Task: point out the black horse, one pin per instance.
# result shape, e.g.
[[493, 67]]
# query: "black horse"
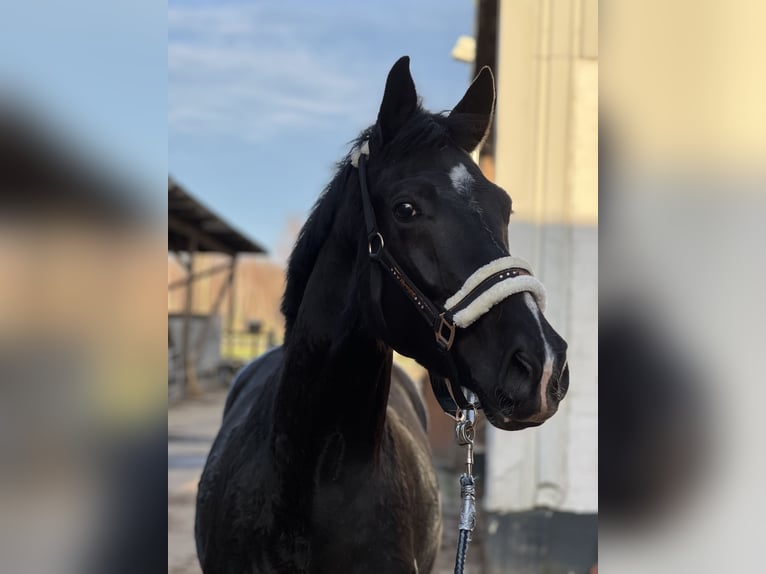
[[322, 463]]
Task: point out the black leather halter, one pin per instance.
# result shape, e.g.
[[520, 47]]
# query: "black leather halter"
[[446, 389]]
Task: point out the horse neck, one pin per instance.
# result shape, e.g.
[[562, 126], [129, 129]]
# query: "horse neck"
[[336, 374]]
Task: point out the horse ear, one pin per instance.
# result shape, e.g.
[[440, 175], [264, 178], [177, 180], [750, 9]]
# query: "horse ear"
[[400, 100], [471, 118]]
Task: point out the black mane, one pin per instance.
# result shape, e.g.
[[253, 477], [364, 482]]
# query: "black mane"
[[310, 240], [423, 131]]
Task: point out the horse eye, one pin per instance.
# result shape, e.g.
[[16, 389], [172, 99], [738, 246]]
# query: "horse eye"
[[405, 211]]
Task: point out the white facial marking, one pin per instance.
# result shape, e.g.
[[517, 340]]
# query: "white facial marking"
[[548, 365], [461, 179]]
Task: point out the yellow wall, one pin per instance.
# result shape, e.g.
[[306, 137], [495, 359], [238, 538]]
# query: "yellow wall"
[[547, 109]]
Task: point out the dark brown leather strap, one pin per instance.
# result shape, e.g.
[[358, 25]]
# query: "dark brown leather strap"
[[439, 320]]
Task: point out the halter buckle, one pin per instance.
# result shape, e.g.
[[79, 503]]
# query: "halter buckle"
[[445, 333]]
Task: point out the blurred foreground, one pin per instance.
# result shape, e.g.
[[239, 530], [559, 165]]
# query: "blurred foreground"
[[682, 277], [82, 364]]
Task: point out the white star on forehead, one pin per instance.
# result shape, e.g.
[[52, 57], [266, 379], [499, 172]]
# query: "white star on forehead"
[[461, 179]]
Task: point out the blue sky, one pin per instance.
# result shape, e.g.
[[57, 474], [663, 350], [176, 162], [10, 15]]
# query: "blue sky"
[[95, 73], [263, 97]]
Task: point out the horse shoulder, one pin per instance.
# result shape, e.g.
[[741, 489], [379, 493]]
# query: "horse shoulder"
[[233, 487]]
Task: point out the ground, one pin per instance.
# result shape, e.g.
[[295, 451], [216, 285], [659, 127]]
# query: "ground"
[[192, 426]]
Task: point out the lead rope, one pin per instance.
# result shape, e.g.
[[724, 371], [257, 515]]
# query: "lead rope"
[[465, 429]]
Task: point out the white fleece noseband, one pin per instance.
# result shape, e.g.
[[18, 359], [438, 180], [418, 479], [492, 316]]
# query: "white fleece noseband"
[[498, 292], [359, 151]]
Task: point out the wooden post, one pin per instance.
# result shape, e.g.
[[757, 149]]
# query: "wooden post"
[[232, 303], [188, 357], [225, 287]]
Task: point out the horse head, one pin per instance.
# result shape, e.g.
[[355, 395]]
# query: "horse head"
[[446, 226]]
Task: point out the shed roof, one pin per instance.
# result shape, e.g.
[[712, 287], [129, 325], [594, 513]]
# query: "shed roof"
[[190, 222]]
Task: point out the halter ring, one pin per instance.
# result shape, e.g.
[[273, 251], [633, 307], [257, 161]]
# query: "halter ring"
[[380, 244]]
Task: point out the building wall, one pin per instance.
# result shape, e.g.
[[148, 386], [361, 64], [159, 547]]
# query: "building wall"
[[546, 157]]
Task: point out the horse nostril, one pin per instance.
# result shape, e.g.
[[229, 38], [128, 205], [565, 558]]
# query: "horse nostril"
[[559, 382], [553, 384]]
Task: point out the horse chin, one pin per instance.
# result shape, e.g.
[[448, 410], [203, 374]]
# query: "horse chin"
[[502, 422], [494, 414], [508, 422]]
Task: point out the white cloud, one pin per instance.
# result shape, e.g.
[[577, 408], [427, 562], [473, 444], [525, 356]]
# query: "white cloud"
[[249, 71]]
